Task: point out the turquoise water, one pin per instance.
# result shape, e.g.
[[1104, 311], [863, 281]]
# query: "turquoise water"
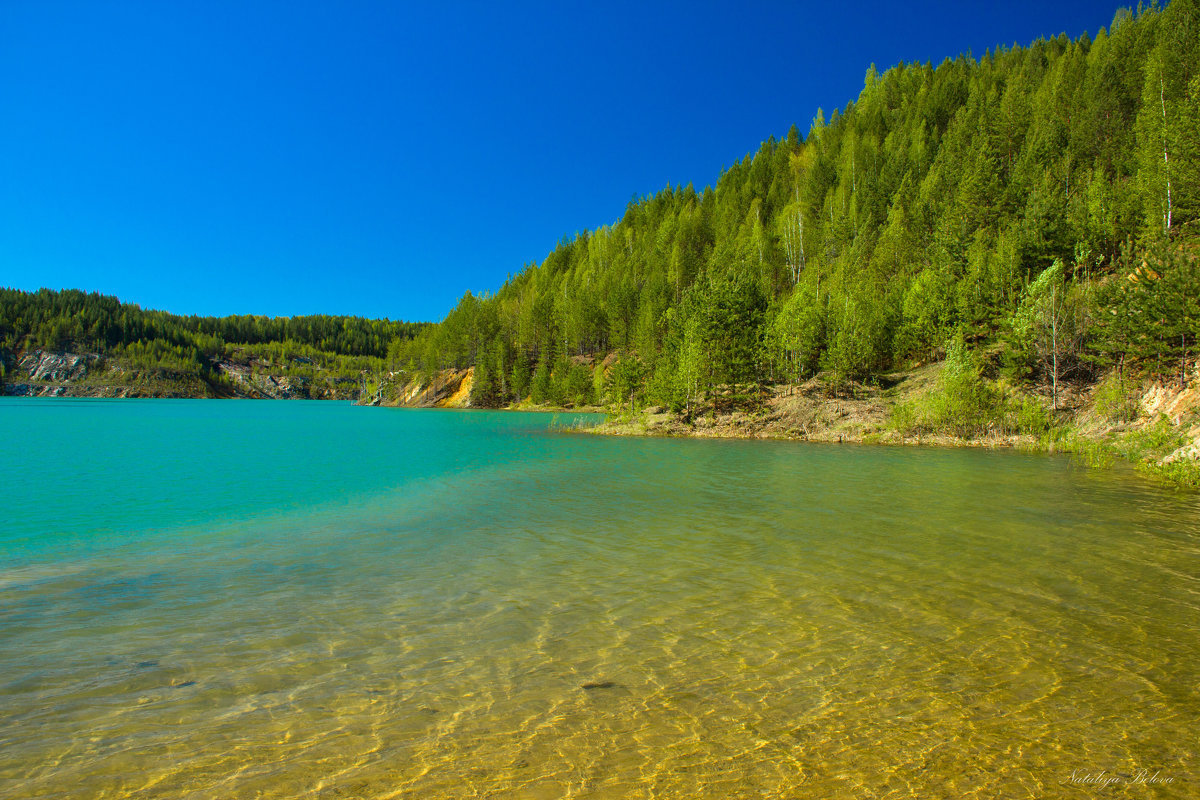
[[280, 599]]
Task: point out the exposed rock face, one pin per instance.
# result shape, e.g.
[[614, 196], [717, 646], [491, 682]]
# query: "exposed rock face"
[[450, 388], [252, 383], [56, 367], [1189, 452], [73, 390], [257, 384], [40, 373], [1177, 403], [446, 390]]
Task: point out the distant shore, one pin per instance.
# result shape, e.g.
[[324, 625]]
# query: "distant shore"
[[45, 373], [1153, 425]]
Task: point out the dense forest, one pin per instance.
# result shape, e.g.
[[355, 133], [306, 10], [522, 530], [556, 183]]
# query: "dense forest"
[[71, 320], [1035, 204], [1037, 209]]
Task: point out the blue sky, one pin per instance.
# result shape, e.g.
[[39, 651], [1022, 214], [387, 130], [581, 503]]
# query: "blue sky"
[[380, 158]]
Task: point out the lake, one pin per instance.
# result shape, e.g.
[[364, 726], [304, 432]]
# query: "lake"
[[274, 599]]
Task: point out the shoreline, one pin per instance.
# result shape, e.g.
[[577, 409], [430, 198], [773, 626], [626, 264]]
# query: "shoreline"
[[1158, 432], [1154, 426]]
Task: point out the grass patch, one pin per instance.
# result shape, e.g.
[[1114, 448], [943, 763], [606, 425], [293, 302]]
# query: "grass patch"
[[966, 405], [1178, 473], [1114, 400], [1144, 448]]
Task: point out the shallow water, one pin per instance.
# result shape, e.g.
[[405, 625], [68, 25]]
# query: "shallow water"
[[279, 599]]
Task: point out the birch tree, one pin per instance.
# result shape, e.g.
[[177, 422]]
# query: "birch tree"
[[792, 234], [1051, 324]]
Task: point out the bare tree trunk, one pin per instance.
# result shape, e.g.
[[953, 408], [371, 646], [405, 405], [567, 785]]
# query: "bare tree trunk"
[[793, 240], [792, 255], [1162, 98], [1183, 361], [1054, 348], [800, 225]]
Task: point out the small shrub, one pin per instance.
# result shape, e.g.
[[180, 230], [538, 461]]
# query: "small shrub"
[[1029, 417], [1114, 401], [964, 405], [1089, 451], [1180, 473], [1154, 441], [967, 404], [904, 418]]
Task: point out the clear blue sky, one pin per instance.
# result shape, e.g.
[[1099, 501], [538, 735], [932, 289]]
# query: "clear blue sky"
[[380, 158]]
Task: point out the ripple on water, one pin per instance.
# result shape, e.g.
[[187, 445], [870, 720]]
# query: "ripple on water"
[[574, 617]]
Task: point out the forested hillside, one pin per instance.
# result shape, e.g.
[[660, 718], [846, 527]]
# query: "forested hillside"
[[156, 345], [1031, 202]]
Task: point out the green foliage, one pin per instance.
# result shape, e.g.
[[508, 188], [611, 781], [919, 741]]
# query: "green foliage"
[[860, 343], [1049, 329], [967, 405], [1113, 399], [796, 335], [1154, 311], [97, 323], [1179, 473], [927, 314], [600, 383], [1091, 452], [1153, 441], [159, 358], [1028, 417], [577, 388], [928, 203], [942, 196], [521, 378], [541, 390], [1168, 122], [298, 360], [159, 345], [727, 315], [490, 384], [1145, 447], [626, 377]]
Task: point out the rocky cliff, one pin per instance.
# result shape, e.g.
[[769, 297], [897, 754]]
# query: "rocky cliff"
[[42, 373], [258, 382], [447, 389]]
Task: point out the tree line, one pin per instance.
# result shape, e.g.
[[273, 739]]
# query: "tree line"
[[1038, 199], [72, 320], [1042, 202]]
